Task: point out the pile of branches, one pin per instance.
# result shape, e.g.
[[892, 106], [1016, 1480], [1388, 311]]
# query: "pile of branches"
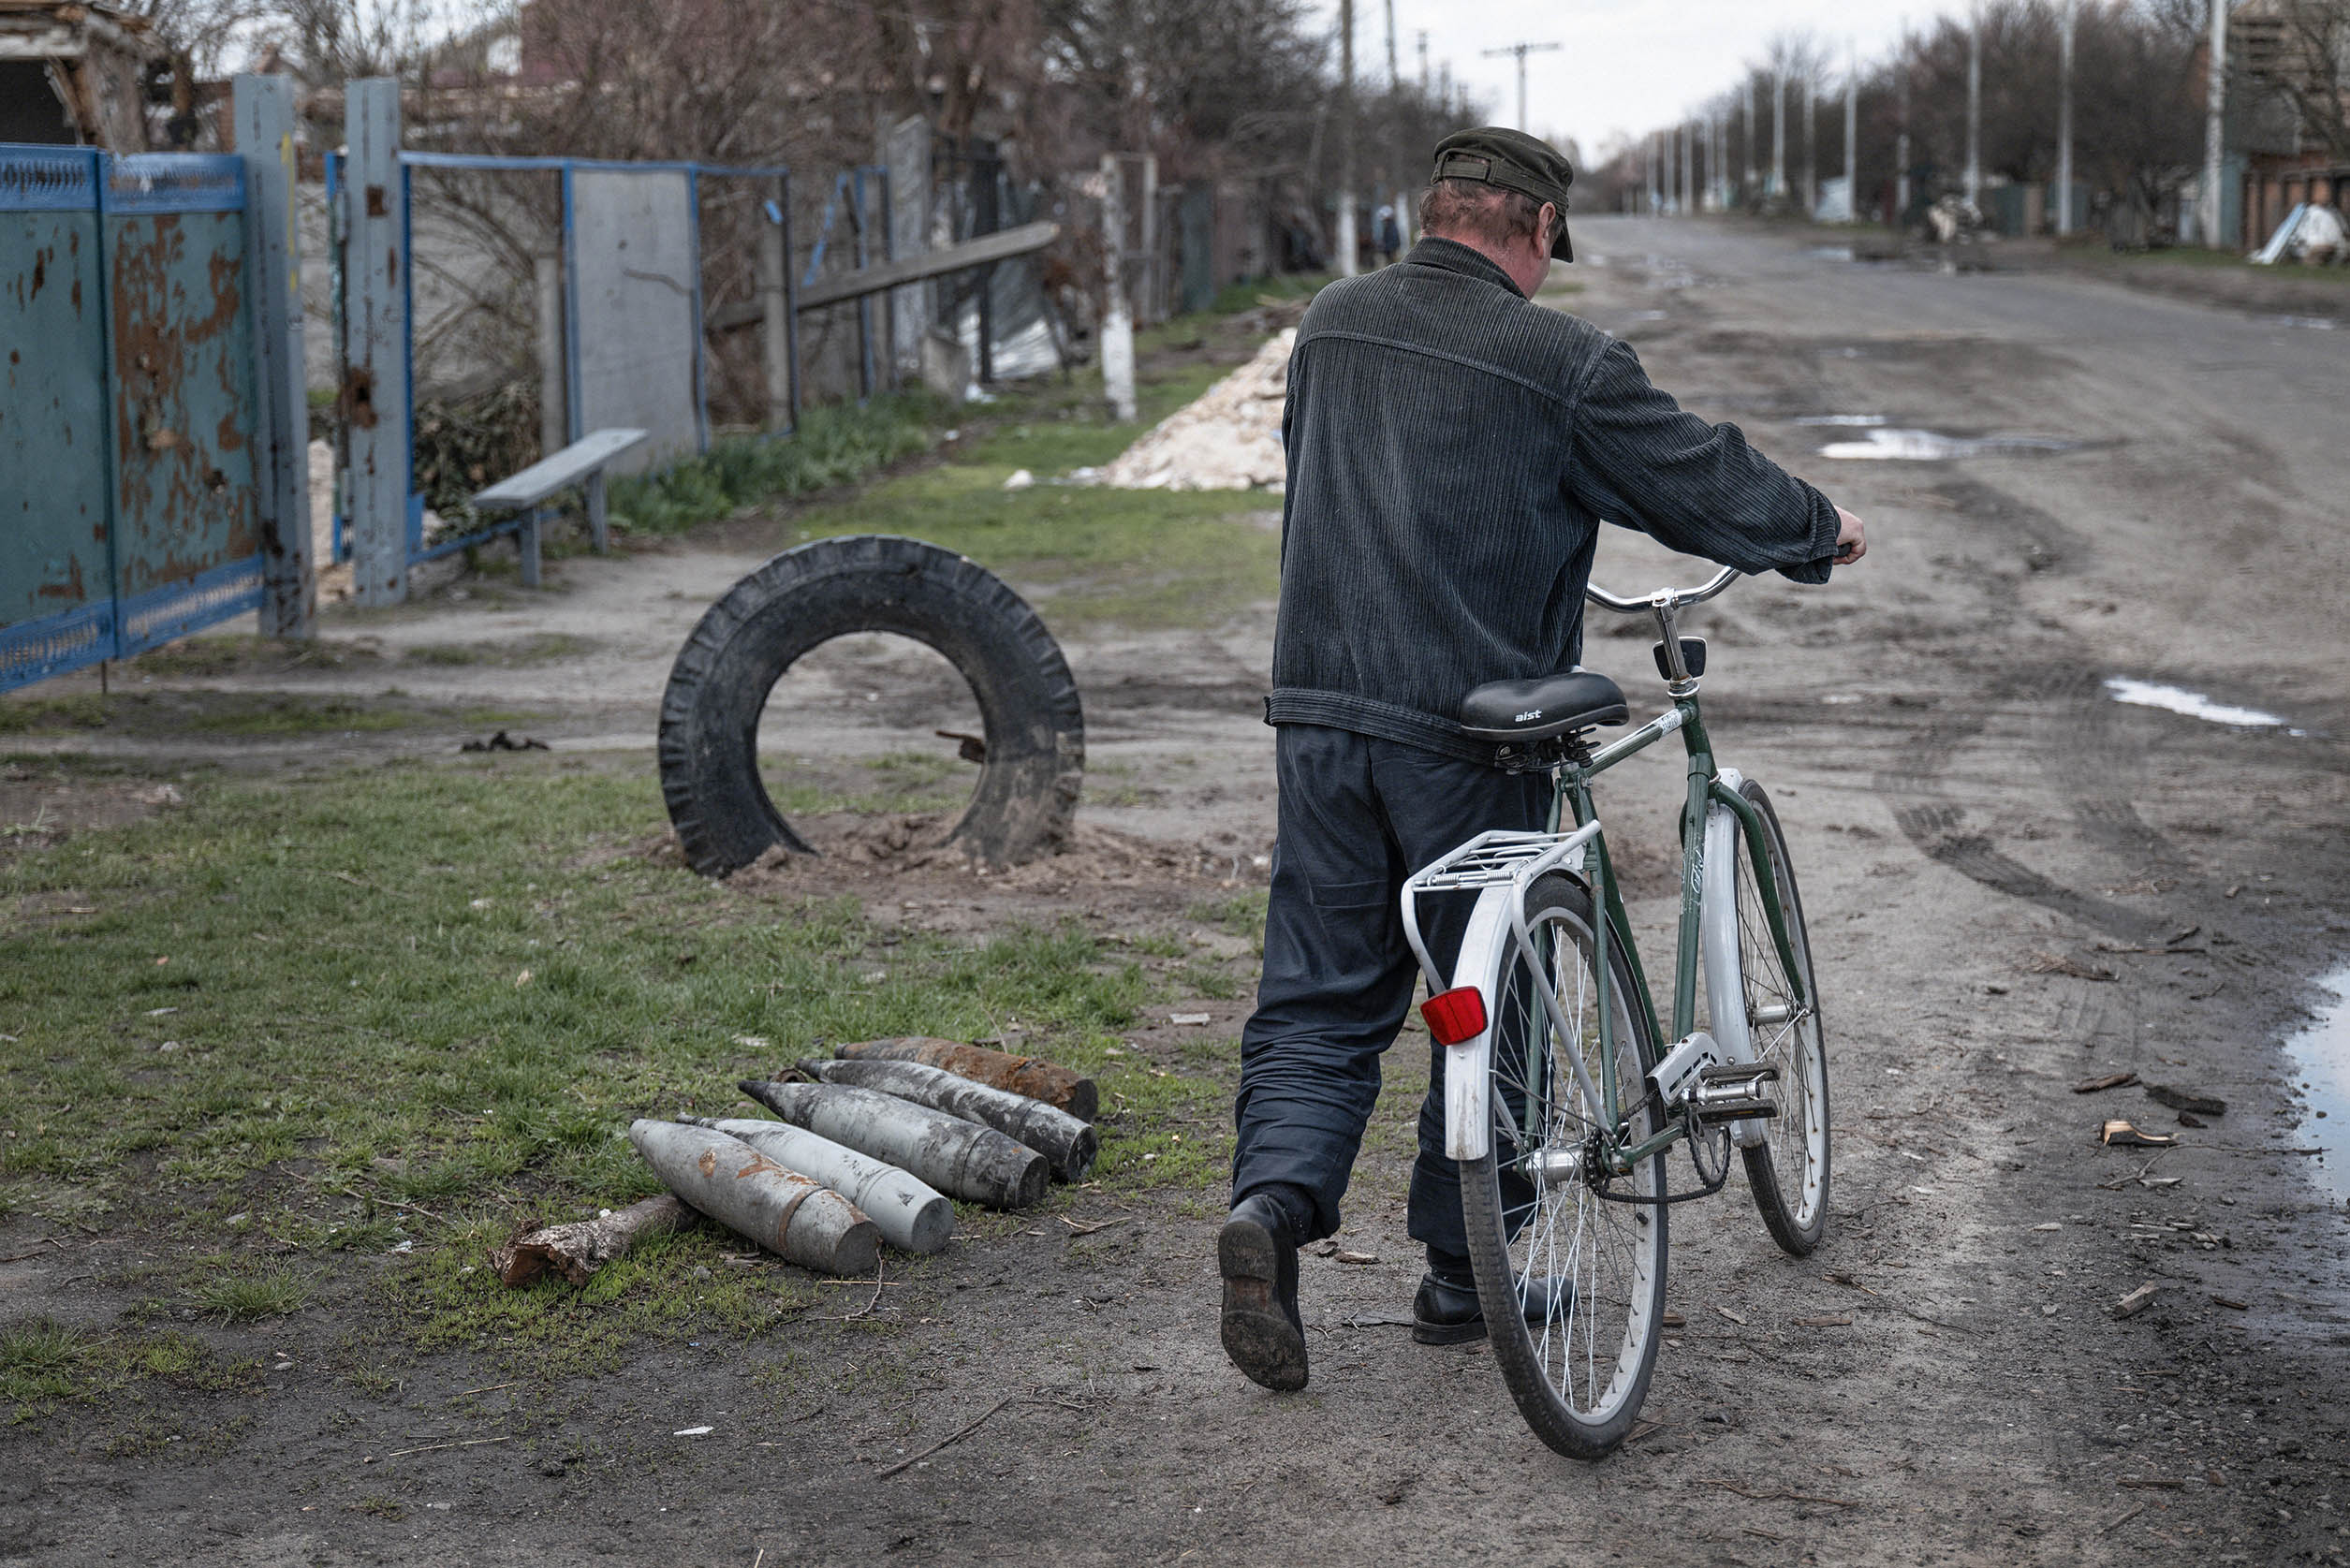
[[467, 441]]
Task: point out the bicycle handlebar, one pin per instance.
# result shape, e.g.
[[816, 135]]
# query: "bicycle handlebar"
[[1662, 597]]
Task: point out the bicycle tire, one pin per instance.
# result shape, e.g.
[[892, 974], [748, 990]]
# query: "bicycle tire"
[[1791, 1193], [1616, 1250]]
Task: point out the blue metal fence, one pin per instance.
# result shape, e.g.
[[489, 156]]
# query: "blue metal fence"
[[129, 510]]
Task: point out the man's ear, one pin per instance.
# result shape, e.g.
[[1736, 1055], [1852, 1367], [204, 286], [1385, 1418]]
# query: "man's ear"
[[1548, 221]]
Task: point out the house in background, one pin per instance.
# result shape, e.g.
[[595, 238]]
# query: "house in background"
[[84, 75]]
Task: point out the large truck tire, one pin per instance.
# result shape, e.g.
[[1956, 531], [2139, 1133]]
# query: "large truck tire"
[[874, 582]]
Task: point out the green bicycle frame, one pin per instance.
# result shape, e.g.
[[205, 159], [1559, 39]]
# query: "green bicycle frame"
[[1614, 925]]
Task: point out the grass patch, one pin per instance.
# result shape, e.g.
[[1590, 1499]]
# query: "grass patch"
[[22, 715], [1242, 914], [42, 1361], [249, 1296], [414, 1004], [1086, 554], [835, 444]]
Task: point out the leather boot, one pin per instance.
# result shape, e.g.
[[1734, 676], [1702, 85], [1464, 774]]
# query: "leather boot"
[[1444, 1313], [1262, 1332]]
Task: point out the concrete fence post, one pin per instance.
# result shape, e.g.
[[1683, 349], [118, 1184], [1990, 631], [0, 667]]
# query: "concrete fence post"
[[373, 399], [263, 107]]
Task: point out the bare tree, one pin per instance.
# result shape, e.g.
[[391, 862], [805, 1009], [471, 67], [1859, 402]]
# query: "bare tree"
[[2298, 50]]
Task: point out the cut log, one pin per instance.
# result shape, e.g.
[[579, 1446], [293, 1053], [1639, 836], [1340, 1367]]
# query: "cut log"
[[1059, 1086], [961, 1158], [577, 1250], [1062, 1138], [787, 1213], [912, 1214]]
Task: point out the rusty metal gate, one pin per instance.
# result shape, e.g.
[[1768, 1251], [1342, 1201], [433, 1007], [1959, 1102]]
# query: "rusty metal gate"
[[130, 505]]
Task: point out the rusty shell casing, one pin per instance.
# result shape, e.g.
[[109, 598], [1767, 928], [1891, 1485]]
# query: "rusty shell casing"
[[958, 1157], [1062, 1138], [1062, 1088], [913, 1215], [784, 1211]]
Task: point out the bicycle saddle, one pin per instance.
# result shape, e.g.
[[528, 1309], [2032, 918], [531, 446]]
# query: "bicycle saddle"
[[1544, 706]]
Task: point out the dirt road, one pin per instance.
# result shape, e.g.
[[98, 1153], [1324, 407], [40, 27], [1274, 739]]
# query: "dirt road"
[[2016, 883]]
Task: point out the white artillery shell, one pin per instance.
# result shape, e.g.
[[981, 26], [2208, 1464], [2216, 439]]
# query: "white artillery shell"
[[743, 1190], [912, 1214], [1062, 1138], [958, 1157]]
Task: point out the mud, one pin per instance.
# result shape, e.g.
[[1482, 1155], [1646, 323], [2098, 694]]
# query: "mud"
[[1963, 798]]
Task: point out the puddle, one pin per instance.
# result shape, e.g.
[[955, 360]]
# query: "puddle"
[[1831, 253], [2194, 705], [2322, 1054], [1645, 315], [2308, 323], [1926, 445], [1854, 421]]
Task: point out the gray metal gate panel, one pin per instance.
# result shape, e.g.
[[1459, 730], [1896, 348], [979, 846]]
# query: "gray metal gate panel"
[[187, 531], [56, 566], [633, 272]]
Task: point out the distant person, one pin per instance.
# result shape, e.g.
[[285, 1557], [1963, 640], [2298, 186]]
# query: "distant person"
[[1390, 235], [1451, 448]]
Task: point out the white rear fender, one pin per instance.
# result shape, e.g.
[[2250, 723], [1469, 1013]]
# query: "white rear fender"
[[1468, 1077]]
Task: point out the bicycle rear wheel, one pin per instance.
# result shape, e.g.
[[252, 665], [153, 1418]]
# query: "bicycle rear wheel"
[[1579, 1360], [1788, 1170]]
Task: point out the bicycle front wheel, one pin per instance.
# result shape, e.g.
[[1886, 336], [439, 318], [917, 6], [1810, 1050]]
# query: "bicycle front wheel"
[[1572, 1283], [1789, 1169]]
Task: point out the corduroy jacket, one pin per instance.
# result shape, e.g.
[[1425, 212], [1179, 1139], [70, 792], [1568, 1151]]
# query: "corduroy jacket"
[[1452, 448]]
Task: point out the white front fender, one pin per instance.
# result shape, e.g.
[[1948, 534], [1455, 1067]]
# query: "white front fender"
[[1725, 986]]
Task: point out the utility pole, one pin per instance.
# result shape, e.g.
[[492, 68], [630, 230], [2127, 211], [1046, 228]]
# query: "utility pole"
[[1900, 139], [1975, 108], [1521, 51], [1778, 133], [2214, 124], [1746, 188], [1852, 132], [1346, 139], [1688, 166], [2064, 124], [1423, 63], [1811, 141]]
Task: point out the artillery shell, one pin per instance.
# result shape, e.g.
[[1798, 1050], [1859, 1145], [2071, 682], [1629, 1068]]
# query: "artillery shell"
[[1062, 1138], [912, 1215], [961, 1158], [1059, 1086], [743, 1190]]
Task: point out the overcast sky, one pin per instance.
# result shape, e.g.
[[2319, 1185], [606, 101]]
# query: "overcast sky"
[[1626, 66]]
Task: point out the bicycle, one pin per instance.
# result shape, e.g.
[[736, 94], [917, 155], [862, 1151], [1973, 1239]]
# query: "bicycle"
[[1561, 1102]]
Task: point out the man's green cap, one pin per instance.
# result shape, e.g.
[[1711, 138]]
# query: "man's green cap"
[[1497, 156]]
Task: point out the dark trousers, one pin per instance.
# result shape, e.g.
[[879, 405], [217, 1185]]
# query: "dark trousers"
[[1357, 816]]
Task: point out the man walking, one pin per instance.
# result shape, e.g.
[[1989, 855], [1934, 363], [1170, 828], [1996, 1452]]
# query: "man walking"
[[1452, 448]]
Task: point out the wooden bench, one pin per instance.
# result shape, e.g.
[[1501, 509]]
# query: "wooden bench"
[[582, 462]]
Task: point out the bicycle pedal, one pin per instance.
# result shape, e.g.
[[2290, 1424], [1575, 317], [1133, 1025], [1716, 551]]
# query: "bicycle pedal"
[[1742, 1108], [1740, 1073]]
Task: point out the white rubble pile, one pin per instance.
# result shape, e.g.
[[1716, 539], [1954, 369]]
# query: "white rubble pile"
[[1229, 439]]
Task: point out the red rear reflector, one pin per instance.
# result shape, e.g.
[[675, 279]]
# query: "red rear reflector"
[[1456, 1015]]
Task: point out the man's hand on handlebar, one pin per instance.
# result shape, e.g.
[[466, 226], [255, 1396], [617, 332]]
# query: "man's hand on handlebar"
[[1852, 538]]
